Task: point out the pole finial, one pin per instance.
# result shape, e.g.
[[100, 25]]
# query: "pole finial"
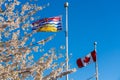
[[66, 4], [95, 43]]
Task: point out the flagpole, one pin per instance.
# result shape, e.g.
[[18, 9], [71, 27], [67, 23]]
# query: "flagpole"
[[67, 58], [96, 63]]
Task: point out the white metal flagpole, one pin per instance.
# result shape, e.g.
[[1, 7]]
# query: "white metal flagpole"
[[96, 63], [67, 58]]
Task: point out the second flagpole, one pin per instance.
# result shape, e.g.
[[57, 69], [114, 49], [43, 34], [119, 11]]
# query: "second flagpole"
[[96, 63], [67, 57]]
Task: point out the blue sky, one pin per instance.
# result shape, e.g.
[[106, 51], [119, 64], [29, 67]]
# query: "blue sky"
[[89, 21]]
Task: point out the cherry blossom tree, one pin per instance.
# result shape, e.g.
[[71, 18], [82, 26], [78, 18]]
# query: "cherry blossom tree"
[[16, 49]]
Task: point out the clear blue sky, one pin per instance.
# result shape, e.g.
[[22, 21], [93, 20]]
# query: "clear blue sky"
[[89, 21]]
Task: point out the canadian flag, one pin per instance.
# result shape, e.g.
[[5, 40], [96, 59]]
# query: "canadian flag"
[[89, 58]]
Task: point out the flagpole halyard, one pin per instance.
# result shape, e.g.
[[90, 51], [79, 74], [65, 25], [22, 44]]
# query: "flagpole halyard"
[[96, 63], [67, 58]]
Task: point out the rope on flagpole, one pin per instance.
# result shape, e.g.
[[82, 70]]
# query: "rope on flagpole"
[[67, 58], [96, 63], [91, 77]]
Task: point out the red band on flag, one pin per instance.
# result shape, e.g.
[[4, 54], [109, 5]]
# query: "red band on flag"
[[93, 54], [79, 63]]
